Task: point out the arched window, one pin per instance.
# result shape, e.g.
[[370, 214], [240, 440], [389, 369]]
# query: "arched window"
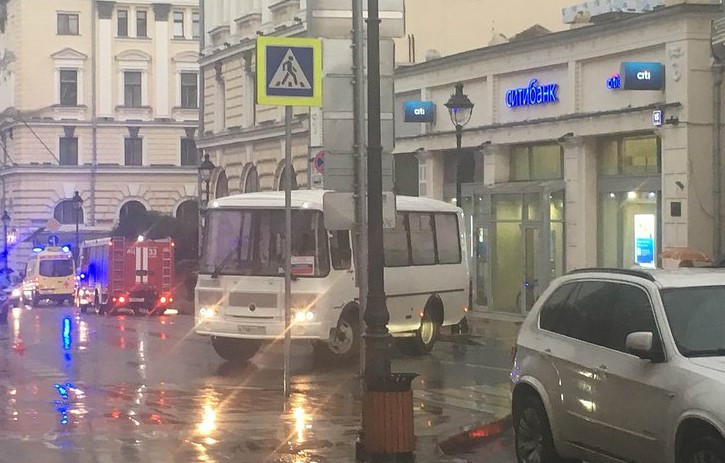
[[188, 213], [131, 208], [281, 180], [222, 185], [65, 213], [251, 181]]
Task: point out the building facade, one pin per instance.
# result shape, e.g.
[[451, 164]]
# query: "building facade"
[[99, 97], [587, 147]]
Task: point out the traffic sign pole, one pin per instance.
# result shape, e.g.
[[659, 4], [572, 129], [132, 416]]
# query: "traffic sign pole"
[[289, 73], [288, 246]]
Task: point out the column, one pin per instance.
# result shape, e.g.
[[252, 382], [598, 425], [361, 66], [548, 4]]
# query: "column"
[[496, 162], [581, 209], [104, 80], [161, 69]]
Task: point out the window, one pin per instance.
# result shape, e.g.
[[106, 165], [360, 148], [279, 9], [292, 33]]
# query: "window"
[[123, 23], [68, 151], [397, 250], [65, 212], [631, 312], [68, 88], [557, 310], [195, 25], [447, 239], [592, 312], [283, 178], [629, 156], [340, 250], [697, 319], [178, 24], [141, 23], [56, 268], [133, 150], [132, 89], [537, 162], [189, 90], [251, 182], [68, 24], [189, 153], [422, 239]]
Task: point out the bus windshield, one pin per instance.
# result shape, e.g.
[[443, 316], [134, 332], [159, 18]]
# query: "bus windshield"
[[56, 267], [251, 242]]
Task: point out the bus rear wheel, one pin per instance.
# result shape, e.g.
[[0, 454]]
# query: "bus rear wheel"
[[234, 349], [423, 339]]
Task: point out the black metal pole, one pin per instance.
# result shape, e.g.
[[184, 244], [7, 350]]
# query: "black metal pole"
[[459, 138], [5, 248], [78, 240], [377, 337]]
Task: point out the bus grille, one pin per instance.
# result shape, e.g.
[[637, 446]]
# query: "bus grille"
[[267, 300]]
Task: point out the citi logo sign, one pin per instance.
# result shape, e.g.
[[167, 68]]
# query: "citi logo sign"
[[644, 75], [420, 111], [614, 82]]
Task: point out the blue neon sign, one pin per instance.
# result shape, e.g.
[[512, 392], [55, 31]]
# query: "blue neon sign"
[[638, 75], [534, 94], [420, 111], [614, 82]]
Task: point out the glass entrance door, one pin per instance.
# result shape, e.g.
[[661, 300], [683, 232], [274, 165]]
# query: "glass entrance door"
[[531, 266]]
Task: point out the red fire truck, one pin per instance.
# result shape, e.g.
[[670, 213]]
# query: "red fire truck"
[[116, 273]]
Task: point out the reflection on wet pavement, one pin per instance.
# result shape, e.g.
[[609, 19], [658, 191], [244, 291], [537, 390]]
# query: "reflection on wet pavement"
[[86, 388]]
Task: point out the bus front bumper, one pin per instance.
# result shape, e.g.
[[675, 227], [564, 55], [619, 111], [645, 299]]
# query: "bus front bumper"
[[265, 331]]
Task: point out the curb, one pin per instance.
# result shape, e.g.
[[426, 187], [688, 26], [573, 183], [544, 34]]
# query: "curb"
[[475, 434]]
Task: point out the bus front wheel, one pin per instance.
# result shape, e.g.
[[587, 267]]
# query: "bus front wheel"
[[235, 350], [345, 343]]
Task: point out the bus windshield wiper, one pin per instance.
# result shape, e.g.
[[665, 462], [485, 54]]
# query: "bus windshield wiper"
[[223, 263]]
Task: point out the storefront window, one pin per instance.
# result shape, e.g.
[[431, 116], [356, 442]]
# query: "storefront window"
[[628, 229], [537, 162], [629, 156]]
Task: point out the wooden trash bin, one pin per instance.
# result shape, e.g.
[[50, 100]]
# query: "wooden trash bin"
[[388, 417]]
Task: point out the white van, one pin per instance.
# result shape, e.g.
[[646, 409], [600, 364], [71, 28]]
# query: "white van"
[[240, 289]]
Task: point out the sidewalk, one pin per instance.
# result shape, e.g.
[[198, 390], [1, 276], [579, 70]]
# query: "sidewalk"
[[325, 417]]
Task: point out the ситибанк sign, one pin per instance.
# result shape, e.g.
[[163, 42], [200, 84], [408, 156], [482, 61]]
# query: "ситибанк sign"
[[636, 75]]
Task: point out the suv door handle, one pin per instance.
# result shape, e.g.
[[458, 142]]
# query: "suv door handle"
[[603, 367], [547, 351]]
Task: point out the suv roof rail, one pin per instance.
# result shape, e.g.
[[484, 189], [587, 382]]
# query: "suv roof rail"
[[619, 271]]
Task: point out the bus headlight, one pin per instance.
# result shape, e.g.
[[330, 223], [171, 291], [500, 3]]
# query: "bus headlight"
[[303, 315], [208, 312]]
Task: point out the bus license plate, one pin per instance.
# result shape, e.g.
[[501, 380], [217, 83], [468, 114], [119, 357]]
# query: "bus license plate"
[[135, 299], [251, 329]]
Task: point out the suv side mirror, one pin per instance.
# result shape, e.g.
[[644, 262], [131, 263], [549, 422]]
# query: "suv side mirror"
[[642, 345]]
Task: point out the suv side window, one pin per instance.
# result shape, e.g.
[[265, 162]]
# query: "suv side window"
[[631, 312], [556, 313], [592, 312]]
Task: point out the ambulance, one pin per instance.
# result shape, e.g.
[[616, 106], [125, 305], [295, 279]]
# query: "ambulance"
[[49, 275]]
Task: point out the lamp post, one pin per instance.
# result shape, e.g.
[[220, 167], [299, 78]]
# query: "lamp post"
[[205, 169], [6, 222], [460, 108], [78, 208]]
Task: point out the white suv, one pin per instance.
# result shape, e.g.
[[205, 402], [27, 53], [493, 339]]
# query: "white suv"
[[623, 365]]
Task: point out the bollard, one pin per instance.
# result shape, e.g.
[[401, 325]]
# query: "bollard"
[[388, 419]]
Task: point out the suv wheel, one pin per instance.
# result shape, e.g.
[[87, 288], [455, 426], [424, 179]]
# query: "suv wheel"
[[706, 449], [532, 433]]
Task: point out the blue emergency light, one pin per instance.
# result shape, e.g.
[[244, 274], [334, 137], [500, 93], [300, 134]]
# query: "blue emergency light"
[[38, 249], [65, 248]]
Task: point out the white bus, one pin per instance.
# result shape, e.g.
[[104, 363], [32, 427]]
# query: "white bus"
[[239, 297]]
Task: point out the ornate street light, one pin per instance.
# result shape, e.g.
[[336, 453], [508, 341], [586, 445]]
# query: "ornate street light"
[[205, 170], [78, 209], [6, 223], [460, 108]]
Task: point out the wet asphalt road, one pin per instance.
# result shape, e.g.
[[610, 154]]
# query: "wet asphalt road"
[[87, 388]]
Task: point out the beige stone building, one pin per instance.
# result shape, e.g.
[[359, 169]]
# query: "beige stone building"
[[99, 97]]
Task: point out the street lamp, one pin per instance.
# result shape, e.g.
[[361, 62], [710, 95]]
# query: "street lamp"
[[205, 169], [6, 222], [78, 208], [460, 108]]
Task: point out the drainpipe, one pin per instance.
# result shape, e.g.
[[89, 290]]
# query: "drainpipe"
[[716, 159], [202, 102], [94, 115]]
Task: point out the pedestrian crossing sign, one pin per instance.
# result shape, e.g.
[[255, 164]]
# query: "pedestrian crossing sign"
[[289, 71]]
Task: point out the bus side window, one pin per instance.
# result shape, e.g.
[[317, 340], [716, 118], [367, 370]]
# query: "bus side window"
[[340, 251]]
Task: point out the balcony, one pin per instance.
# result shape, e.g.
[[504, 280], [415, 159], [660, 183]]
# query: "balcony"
[[249, 24]]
